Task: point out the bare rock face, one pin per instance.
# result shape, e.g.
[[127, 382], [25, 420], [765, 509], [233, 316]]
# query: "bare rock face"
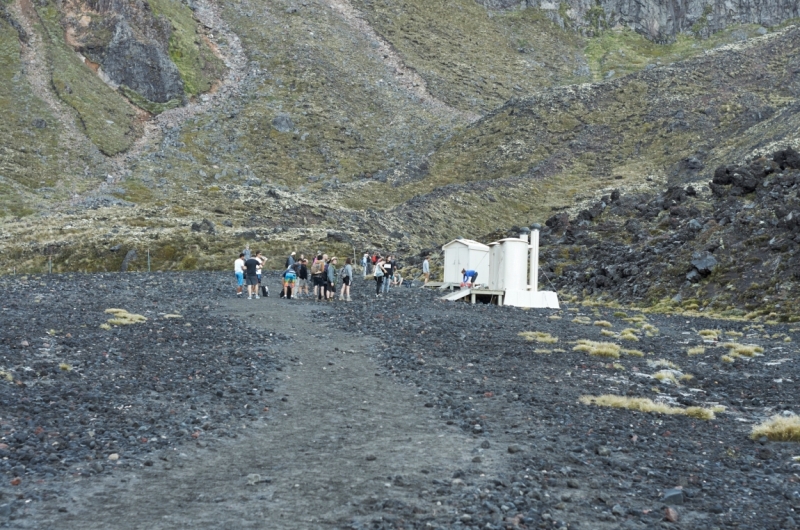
[[125, 42], [661, 20]]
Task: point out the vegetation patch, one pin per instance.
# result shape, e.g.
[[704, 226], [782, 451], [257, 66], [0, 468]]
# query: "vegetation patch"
[[123, 318], [779, 429], [648, 405], [598, 349], [696, 350], [602, 323], [538, 336]]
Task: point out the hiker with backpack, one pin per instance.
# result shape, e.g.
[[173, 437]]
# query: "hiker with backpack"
[[346, 277], [302, 276], [317, 271]]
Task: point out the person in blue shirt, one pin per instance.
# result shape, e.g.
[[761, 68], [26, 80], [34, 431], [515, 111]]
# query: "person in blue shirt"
[[469, 278]]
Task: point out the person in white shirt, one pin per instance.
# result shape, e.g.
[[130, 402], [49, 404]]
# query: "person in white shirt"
[[238, 269], [426, 270]]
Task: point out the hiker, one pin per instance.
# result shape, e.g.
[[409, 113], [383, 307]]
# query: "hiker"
[[238, 269], [388, 272], [251, 277], [426, 271], [302, 276], [347, 277], [246, 252], [397, 280], [289, 278], [290, 260], [317, 270], [330, 283], [379, 274], [469, 278], [261, 287]]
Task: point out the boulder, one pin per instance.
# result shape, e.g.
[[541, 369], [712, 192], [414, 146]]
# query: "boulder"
[[704, 262]]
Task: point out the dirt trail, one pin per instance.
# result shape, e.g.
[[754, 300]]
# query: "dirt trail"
[[345, 441]]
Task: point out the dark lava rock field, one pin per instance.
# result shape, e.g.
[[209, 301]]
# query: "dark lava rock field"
[[79, 394]]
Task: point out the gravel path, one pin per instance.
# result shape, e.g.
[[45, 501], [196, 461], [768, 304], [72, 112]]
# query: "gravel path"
[[339, 442]]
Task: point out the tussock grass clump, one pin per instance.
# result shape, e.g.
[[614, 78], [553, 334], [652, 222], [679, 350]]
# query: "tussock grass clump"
[[538, 336], [686, 377], [779, 429], [663, 363], [734, 334], [618, 366], [607, 333], [173, 315], [123, 318], [64, 367], [697, 350], [554, 317], [666, 375], [632, 353], [629, 334], [105, 325], [648, 405], [727, 359], [6, 375], [582, 320], [603, 324], [620, 314], [709, 334], [636, 319], [742, 350], [650, 330], [599, 349]]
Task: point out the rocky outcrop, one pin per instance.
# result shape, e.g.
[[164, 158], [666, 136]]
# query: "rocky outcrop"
[[127, 43], [660, 20]]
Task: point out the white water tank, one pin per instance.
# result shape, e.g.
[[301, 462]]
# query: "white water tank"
[[508, 264]]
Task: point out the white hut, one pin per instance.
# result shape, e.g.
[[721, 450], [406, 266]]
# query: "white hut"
[[465, 254]]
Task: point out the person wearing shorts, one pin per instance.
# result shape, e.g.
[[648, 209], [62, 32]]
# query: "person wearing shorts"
[[302, 277], [289, 278], [469, 278], [251, 277], [238, 270]]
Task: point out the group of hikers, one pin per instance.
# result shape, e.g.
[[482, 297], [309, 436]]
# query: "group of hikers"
[[322, 274]]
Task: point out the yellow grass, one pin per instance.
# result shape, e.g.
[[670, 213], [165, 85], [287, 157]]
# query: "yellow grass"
[[628, 336], [538, 336], [618, 366], [65, 367], [697, 350], [663, 363], [582, 320], [6, 375], [607, 333], [742, 350], [635, 320], [602, 323], [105, 326], [173, 315], [542, 351], [650, 330], [599, 349], [554, 317], [727, 359], [734, 334], [709, 334], [686, 377], [665, 375], [123, 318], [779, 429], [647, 405]]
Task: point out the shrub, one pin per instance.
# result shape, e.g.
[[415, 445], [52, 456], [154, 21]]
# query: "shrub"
[[779, 429], [599, 349]]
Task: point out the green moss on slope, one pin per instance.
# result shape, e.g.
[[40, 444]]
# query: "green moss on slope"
[[197, 64], [473, 58], [105, 116], [29, 146]]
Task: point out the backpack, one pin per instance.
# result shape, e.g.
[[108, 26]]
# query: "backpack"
[[317, 268], [378, 271]]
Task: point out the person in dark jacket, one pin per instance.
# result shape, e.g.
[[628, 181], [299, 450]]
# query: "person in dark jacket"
[[331, 278]]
